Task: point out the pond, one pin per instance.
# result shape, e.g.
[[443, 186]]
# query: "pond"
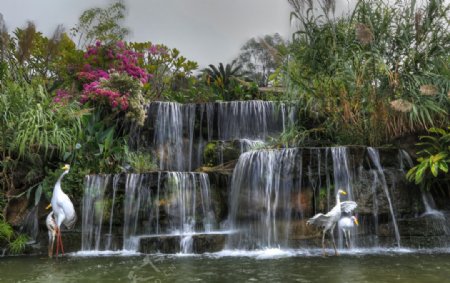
[[271, 265]]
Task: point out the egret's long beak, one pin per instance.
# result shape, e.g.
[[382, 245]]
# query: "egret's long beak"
[[343, 193], [66, 167], [48, 206], [356, 222]]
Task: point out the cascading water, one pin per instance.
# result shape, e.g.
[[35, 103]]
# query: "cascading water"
[[93, 211], [268, 189], [260, 198], [168, 136], [173, 203], [248, 119], [271, 192], [375, 157], [179, 141]]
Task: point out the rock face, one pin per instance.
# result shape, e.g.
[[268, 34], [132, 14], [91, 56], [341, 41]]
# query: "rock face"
[[170, 244]]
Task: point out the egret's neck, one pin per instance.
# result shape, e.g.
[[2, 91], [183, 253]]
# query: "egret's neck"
[[58, 183], [338, 199]]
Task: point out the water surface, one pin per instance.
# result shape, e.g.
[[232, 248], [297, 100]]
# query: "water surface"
[[234, 266]]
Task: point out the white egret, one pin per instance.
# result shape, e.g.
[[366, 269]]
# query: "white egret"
[[328, 221], [51, 226], [346, 224], [63, 211]]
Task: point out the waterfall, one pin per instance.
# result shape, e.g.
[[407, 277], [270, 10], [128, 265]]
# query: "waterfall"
[[375, 204], [174, 203], [135, 197], [180, 129], [30, 225], [342, 172], [261, 189], [111, 216], [375, 157], [93, 210], [430, 206], [252, 119], [265, 199], [168, 136]]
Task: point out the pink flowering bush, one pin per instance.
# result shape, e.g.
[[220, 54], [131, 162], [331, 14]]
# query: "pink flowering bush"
[[110, 77], [101, 62]]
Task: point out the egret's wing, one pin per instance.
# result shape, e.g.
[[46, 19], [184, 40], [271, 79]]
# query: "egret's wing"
[[348, 206], [70, 223], [69, 211], [319, 220]]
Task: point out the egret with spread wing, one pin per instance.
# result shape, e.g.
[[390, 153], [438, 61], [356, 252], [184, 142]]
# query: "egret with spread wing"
[[346, 224], [328, 221], [63, 211]]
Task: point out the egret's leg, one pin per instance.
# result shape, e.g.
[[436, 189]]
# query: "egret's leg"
[[57, 241], [346, 238], [323, 243], [61, 243], [349, 239], [334, 243], [51, 241]]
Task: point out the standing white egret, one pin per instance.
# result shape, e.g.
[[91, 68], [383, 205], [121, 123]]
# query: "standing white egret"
[[328, 221], [346, 224], [63, 210], [51, 226]]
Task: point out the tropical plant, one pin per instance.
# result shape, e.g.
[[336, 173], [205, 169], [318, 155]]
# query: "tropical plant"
[[375, 74], [434, 160], [103, 150], [225, 79], [34, 133]]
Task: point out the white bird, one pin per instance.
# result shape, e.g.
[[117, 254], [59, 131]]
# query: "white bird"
[[63, 211], [328, 221], [346, 224], [51, 226]]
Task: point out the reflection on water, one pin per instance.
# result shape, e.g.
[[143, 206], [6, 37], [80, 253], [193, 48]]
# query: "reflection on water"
[[272, 265]]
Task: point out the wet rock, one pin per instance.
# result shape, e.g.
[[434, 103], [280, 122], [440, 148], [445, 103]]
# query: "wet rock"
[[170, 244]]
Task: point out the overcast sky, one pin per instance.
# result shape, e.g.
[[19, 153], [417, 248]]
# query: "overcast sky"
[[206, 31]]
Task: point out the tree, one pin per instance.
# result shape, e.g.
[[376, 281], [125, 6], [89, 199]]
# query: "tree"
[[225, 79], [29, 55], [170, 71], [260, 57], [103, 24]]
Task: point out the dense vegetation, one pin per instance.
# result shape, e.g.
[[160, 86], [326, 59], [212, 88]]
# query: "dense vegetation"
[[370, 77], [374, 75]]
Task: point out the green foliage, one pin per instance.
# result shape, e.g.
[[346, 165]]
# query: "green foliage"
[[28, 55], [171, 73], [102, 151], [373, 75], [433, 158], [11, 240], [103, 24], [141, 162], [34, 132]]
